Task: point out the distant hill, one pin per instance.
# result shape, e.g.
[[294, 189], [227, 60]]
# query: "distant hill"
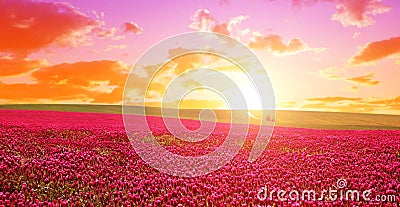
[[304, 119]]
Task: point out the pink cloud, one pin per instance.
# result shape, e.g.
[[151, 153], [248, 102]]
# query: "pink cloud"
[[132, 27], [221, 28], [106, 33], [227, 27], [202, 20], [358, 12]]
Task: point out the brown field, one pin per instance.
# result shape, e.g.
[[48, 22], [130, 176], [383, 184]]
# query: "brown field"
[[302, 119]]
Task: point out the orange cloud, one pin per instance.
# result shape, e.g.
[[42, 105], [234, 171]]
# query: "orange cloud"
[[92, 82], [113, 97], [200, 104], [352, 108], [365, 80], [174, 68], [339, 104], [332, 73], [287, 104], [81, 73], [276, 45], [27, 26], [15, 66], [348, 104], [375, 51], [390, 101], [132, 27], [352, 88], [333, 99]]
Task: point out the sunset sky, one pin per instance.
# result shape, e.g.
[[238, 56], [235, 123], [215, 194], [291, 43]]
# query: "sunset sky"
[[326, 55]]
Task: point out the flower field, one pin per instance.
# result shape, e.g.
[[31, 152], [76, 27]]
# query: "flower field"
[[85, 159]]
